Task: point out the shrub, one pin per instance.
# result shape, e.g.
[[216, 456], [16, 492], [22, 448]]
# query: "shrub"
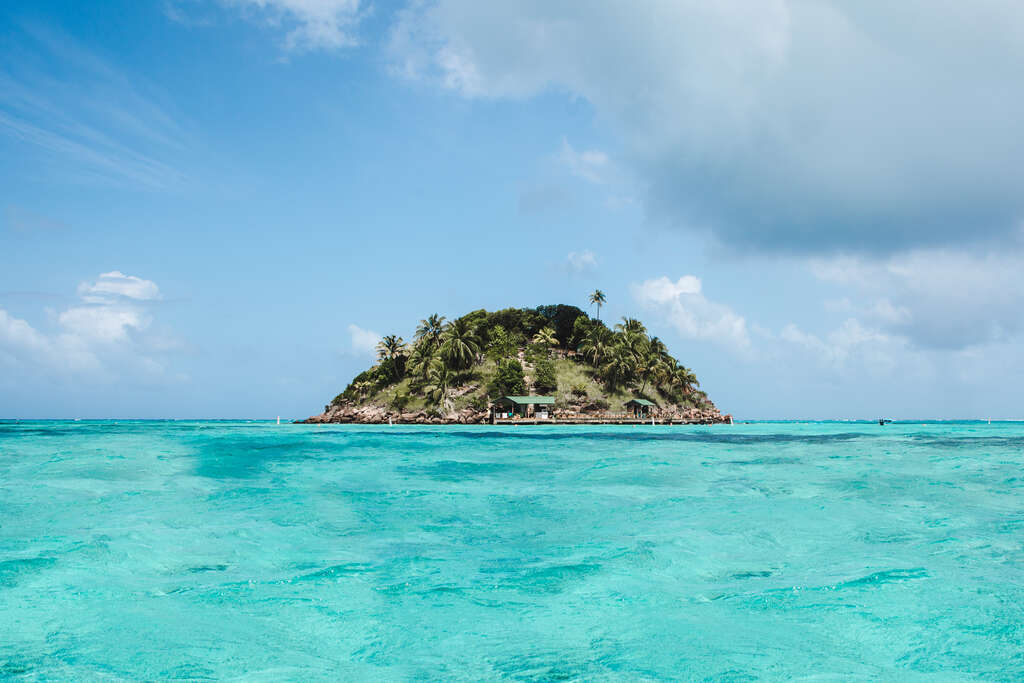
[[508, 380], [563, 319], [535, 353], [579, 390], [478, 402], [400, 401], [544, 378], [523, 321], [361, 383], [502, 344]]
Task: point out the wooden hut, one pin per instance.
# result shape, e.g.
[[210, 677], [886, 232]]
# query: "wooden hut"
[[640, 407], [522, 406]]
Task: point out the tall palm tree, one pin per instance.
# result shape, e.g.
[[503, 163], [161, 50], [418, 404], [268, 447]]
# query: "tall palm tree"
[[429, 330], [459, 345], [597, 297], [390, 347]]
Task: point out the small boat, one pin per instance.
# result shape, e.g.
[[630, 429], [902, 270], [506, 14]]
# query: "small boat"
[[882, 421]]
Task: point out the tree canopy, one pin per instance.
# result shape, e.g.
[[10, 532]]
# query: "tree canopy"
[[448, 354]]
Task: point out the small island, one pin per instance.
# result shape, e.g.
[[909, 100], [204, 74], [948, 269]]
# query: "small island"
[[547, 365]]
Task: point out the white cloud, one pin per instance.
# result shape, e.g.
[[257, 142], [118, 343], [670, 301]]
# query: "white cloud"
[[105, 323], [117, 284], [310, 24], [363, 341], [684, 305], [578, 262], [851, 346], [59, 354], [778, 124], [937, 298], [592, 165], [106, 335]]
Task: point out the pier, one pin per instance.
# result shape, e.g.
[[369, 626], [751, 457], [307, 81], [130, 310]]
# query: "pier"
[[599, 420]]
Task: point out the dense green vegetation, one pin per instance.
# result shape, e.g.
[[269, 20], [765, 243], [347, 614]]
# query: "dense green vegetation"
[[553, 350]]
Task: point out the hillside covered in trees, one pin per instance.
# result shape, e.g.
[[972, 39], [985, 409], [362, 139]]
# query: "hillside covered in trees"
[[452, 370]]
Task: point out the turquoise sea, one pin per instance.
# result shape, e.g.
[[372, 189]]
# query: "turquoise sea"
[[770, 551]]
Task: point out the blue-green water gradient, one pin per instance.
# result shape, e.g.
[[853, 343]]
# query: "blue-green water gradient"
[[211, 550]]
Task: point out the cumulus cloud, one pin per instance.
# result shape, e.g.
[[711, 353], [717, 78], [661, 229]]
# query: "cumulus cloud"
[[107, 333], [309, 24], [871, 126], [684, 305], [363, 341]]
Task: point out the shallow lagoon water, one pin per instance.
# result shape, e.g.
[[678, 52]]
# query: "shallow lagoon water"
[[772, 551]]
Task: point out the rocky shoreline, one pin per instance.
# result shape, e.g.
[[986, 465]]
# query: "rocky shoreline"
[[352, 413]]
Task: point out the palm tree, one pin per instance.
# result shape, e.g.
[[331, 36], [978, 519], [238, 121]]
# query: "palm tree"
[[597, 297], [439, 384], [619, 367], [631, 325], [419, 362], [391, 351], [546, 337], [459, 345], [658, 347], [597, 344], [429, 330], [390, 347], [684, 379], [654, 368], [660, 363]]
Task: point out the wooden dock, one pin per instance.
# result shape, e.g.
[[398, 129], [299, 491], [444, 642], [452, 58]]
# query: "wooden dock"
[[598, 421]]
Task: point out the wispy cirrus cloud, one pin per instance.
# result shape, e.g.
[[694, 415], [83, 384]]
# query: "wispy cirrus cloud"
[[306, 25], [25, 222], [95, 123]]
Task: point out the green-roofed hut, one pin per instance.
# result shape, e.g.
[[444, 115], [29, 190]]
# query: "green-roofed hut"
[[640, 407], [523, 406]]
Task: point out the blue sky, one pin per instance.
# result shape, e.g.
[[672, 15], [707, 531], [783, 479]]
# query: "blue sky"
[[209, 208]]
